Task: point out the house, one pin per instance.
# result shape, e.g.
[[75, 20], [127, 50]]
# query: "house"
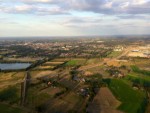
[[84, 91], [118, 48]]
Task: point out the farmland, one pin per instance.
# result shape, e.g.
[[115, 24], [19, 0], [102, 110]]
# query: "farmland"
[[67, 92], [80, 76], [8, 109], [10, 78], [114, 54], [133, 101], [75, 62], [105, 102], [137, 70]]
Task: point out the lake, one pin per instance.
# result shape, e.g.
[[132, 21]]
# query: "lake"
[[14, 66]]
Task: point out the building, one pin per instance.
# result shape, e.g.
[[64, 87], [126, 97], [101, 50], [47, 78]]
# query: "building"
[[118, 48]]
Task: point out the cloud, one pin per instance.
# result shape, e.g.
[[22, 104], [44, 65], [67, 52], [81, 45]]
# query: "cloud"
[[133, 16], [39, 1], [87, 22], [112, 6], [66, 6], [32, 9]]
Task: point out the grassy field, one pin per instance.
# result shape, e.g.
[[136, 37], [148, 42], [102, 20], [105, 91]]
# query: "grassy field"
[[138, 76], [75, 62], [133, 101], [10, 78], [141, 63], [140, 71], [93, 61], [10, 91], [98, 69], [72, 63], [68, 103], [10, 94], [9, 109], [79, 61], [140, 79], [37, 99], [40, 73], [114, 54]]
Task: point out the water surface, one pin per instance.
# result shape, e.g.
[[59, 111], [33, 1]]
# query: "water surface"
[[14, 66]]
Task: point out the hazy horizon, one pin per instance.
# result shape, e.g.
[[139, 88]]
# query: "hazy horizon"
[[76, 37]]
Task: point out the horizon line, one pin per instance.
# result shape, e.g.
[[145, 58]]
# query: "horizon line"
[[71, 36]]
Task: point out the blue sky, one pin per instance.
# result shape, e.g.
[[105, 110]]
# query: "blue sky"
[[74, 17]]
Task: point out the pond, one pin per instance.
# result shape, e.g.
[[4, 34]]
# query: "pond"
[[14, 66]]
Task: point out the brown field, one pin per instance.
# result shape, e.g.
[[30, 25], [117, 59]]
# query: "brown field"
[[52, 90], [114, 63], [93, 61], [53, 63], [44, 67], [36, 74], [60, 59], [104, 102], [100, 70], [142, 63], [24, 59], [69, 84], [89, 66], [65, 103]]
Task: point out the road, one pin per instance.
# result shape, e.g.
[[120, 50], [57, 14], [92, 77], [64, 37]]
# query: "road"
[[25, 87], [125, 52]]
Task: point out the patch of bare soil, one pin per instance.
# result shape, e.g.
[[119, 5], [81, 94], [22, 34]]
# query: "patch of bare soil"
[[104, 102]]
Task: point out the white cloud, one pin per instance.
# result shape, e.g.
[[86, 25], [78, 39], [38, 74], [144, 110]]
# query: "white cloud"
[[89, 16], [23, 8], [96, 6]]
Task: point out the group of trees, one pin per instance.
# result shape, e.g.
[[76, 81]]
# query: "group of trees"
[[95, 82]]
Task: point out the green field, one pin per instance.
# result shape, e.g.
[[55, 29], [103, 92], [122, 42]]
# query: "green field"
[[133, 101], [140, 71], [114, 54], [139, 79], [75, 62], [83, 61], [72, 63], [138, 76]]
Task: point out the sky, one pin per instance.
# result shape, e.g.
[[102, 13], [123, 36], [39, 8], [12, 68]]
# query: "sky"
[[74, 17]]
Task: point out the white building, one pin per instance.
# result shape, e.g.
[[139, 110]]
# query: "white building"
[[118, 48]]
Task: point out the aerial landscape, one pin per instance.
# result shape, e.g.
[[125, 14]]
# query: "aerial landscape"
[[75, 56]]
